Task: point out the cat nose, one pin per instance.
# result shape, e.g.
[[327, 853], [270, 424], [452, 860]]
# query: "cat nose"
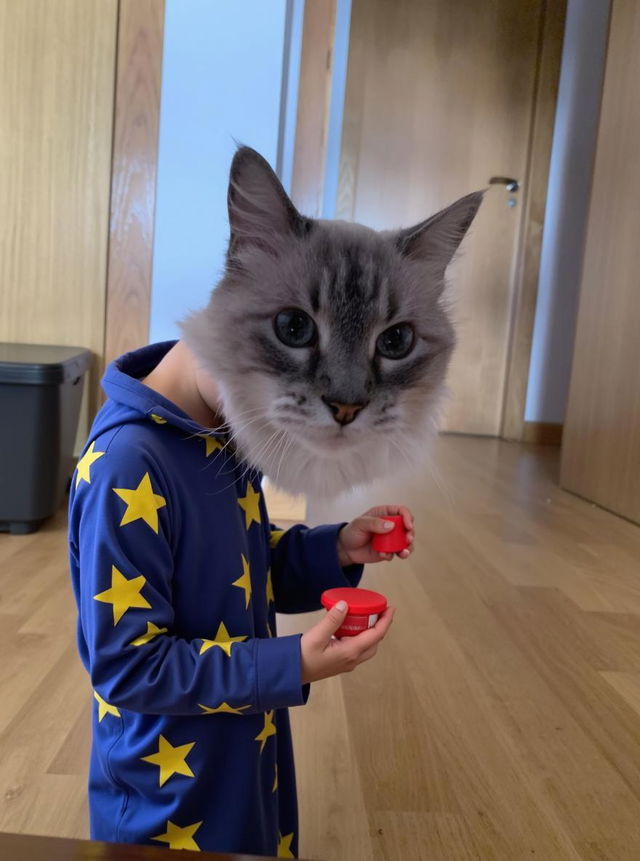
[[344, 414]]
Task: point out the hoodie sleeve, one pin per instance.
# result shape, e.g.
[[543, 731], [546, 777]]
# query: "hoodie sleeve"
[[123, 527], [304, 562]]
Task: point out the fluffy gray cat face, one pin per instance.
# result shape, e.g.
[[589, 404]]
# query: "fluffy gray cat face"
[[329, 341]]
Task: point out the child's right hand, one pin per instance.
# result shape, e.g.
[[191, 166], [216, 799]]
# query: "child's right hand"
[[324, 656]]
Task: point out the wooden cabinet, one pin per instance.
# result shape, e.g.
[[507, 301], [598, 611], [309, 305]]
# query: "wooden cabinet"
[[79, 92], [601, 444], [56, 96]]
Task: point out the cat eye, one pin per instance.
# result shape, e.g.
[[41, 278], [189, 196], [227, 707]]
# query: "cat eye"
[[396, 342], [295, 328]]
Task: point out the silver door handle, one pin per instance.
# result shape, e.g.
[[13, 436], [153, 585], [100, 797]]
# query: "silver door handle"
[[508, 181]]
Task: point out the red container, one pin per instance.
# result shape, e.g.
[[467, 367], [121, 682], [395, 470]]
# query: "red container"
[[364, 608], [395, 539]]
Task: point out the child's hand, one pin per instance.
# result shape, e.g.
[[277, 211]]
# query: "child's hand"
[[354, 540], [323, 656]]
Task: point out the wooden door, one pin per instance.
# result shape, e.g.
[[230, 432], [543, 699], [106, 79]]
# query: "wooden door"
[[601, 442], [56, 97], [440, 98]]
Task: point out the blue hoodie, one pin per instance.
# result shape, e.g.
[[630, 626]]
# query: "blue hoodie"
[[178, 575]]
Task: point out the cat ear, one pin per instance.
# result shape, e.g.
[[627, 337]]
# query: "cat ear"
[[437, 239], [260, 212]]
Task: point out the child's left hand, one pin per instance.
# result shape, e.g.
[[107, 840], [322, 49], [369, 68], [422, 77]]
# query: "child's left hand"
[[354, 539]]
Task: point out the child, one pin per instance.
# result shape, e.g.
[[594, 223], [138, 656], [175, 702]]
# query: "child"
[[323, 351], [178, 576]]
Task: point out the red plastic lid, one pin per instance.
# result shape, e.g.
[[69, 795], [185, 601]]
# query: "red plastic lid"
[[361, 602], [395, 539], [398, 519]]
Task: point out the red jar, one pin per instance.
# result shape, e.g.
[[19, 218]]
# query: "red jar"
[[364, 610]]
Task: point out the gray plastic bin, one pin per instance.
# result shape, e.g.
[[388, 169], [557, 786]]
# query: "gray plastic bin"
[[40, 394]]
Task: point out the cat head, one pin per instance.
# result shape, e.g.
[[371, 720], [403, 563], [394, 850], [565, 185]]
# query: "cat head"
[[329, 341]]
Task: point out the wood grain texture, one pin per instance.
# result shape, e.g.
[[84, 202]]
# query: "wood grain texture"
[[314, 91], [439, 98], [360, 37], [499, 719], [133, 184], [601, 451], [56, 93], [534, 201], [542, 433], [46, 695]]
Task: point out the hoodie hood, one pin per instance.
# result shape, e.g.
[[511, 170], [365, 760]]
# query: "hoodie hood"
[[131, 401]]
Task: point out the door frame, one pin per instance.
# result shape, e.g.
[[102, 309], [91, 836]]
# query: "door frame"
[[314, 104], [527, 261], [134, 165], [526, 265]]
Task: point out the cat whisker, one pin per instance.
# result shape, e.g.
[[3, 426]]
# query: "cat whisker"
[[221, 428], [439, 483], [248, 467], [241, 414], [285, 448], [262, 452], [431, 467], [273, 455], [239, 428], [265, 453], [225, 468], [404, 452]]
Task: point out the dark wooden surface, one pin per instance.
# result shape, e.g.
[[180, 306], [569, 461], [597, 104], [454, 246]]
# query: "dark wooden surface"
[[25, 847]]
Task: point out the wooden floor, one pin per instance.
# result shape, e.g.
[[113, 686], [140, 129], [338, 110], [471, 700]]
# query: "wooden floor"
[[500, 720]]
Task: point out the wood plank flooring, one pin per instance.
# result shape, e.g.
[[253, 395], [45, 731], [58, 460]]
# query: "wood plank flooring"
[[499, 720]]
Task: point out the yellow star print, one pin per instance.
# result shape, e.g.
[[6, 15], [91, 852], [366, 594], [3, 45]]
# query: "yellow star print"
[[142, 503], [172, 760], [275, 780], [284, 846], [123, 594], [152, 631], [157, 419], [269, 729], [244, 582], [211, 443], [274, 538], [250, 504], [223, 708], [180, 838], [270, 595], [83, 470], [222, 639], [104, 708]]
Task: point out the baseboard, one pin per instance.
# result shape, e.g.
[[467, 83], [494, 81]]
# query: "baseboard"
[[542, 433]]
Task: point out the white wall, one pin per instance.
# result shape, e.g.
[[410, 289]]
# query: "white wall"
[[567, 208], [222, 79]]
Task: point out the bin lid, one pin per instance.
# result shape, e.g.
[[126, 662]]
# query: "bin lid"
[[41, 364]]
